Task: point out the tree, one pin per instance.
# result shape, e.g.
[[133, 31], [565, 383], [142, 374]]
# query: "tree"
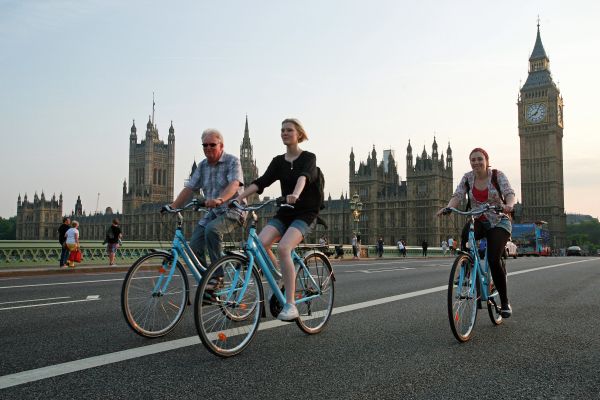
[[8, 228], [585, 234]]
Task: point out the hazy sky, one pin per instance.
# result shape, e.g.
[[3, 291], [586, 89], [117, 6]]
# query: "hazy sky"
[[356, 73]]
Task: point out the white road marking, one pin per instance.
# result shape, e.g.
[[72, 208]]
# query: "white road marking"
[[93, 297], [372, 271], [48, 304], [28, 301], [60, 283], [50, 371]]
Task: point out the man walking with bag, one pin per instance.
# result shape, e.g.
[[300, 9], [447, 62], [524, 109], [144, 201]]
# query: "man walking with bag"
[[64, 251]]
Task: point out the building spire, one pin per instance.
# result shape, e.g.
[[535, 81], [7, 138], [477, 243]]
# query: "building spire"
[[246, 130], [538, 49], [153, 105]]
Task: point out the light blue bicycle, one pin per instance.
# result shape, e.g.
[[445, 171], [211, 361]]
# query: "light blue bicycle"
[[470, 283], [227, 315], [156, 288]]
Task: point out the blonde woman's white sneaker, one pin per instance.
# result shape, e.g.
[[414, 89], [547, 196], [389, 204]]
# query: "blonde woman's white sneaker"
[[289, 313]]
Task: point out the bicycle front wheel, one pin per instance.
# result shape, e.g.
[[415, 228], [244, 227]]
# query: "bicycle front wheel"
[[462, 298], [316, 281], [226, 311], [151, 309]]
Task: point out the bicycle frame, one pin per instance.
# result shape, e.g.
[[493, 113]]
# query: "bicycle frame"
[[257, 254], [480, 271], [180, 248]]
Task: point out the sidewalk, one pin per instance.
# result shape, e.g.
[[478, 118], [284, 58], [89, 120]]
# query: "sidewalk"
[[48, 269], [32, 270]]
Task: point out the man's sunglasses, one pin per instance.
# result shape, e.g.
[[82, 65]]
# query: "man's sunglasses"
[[205, 145]]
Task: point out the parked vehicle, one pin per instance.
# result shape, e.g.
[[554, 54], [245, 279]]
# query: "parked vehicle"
[[510, 250], [532, 239], [574, 251]]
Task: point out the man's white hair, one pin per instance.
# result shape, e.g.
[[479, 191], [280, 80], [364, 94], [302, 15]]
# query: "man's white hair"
[[212, 132]]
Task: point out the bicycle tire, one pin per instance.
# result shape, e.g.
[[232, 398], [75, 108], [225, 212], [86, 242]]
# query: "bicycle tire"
[[221, 334], [493, 303], [152, 314], [314, 314], [462, 306]]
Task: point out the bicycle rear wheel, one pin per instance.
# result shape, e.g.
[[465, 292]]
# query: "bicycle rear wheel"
[[462, 298], [150, 310], [314, 313], [493, 303], [227, 315]]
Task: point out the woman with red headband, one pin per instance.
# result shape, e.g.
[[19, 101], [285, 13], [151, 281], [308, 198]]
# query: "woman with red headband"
[[479, 186]]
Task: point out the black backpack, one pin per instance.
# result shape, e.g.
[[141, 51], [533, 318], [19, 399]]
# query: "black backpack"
[[110, 235], [321, 187]]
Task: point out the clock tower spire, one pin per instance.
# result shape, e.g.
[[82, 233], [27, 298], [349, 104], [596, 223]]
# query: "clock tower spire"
[[540, 115]]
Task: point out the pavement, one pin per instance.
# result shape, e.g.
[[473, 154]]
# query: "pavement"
[[46, 269]]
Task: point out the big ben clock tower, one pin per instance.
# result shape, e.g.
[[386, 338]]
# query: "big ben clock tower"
[[540, 110]]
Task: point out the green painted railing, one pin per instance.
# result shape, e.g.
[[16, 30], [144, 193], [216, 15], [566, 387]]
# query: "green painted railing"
[[40, 252], [47, 252]]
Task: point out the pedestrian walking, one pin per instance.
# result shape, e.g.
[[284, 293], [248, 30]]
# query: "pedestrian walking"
[[444, 247], [424, 246], [451, 245], [400, 247], [72, 243], [354, 247], [380, 247], [62, 238], [113, 241]]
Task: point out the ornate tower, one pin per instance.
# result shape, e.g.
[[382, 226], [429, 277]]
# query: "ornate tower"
[[540, 109], [429, 183], [248, 163], [151, 168]]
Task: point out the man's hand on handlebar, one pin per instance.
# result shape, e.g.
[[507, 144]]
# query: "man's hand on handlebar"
[[167, 208], [443, 211]]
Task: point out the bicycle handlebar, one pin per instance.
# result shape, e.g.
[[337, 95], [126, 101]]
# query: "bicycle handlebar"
[[198, 205], [477, 211], [280, 202]]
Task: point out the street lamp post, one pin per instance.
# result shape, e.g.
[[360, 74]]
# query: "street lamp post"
[[356, 206]]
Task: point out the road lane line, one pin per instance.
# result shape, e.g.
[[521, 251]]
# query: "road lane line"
[[60, 283], [33, 375], [48, 304], [28, 301], [373, 271]]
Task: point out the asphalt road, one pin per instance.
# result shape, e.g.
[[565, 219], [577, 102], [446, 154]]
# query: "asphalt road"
[[63, 336]]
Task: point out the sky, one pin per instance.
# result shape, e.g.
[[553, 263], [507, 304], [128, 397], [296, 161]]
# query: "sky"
[[358, 74]]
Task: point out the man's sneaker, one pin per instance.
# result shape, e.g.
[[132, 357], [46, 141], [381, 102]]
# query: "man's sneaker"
[[289, 313], [506, 311]]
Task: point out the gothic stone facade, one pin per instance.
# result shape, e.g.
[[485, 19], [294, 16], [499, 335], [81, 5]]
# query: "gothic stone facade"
[[392, 208]]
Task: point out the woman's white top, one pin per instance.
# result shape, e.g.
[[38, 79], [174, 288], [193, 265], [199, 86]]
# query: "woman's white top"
[[72, 235]]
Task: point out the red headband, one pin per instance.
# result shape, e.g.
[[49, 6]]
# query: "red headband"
[[482, 151]]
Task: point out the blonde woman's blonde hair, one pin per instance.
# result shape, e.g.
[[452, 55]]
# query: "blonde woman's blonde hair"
[[302, 136], [75, 224]]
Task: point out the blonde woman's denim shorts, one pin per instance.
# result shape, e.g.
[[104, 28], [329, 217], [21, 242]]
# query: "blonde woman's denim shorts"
[[281, 227]]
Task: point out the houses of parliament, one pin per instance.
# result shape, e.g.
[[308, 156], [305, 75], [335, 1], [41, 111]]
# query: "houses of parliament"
[[392, 208]]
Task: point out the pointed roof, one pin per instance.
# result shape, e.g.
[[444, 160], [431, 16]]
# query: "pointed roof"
[[246, 130], [540, 77], [538, 49]]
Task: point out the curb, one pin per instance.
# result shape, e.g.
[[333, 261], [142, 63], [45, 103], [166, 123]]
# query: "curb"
[[56, 270]]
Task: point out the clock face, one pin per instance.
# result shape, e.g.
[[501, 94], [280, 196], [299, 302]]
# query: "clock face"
[[536, 112]]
